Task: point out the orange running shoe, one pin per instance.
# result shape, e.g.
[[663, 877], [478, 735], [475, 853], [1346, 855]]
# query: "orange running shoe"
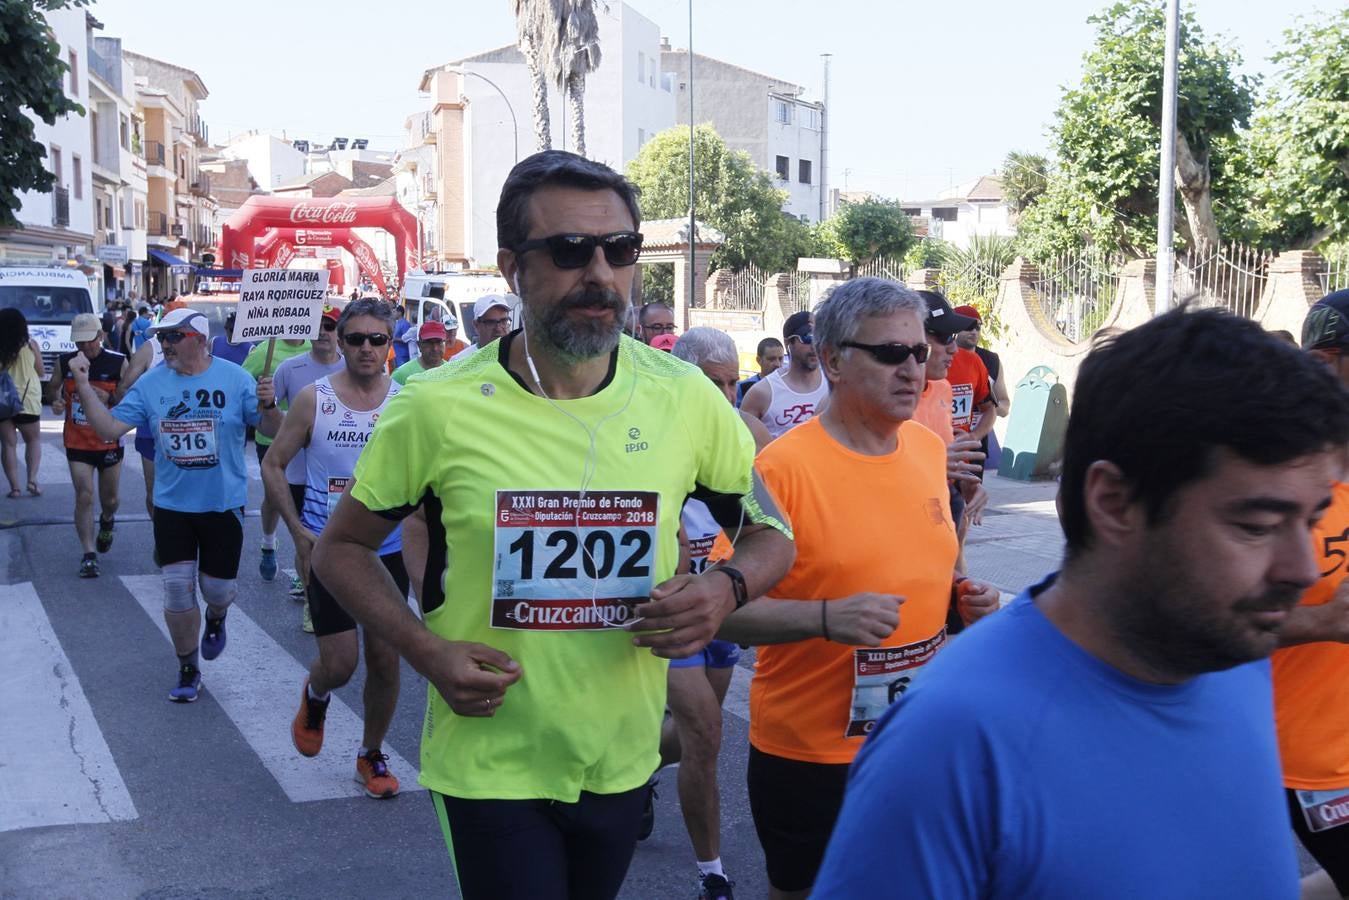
[[306, 730], [372, 771]]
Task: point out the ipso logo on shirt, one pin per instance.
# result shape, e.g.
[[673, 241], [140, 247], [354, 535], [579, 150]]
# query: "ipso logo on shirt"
[[635, 443]]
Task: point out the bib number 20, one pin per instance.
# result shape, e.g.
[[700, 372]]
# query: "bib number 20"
[[599, 551]]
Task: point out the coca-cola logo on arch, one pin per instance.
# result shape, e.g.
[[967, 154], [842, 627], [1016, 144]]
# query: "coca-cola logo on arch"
[[335, 213]]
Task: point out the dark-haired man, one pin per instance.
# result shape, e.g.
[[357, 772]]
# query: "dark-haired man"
[[1311, 672], [769, 355], [561, 506], [655, 319], [1138, 673], [792, 395]]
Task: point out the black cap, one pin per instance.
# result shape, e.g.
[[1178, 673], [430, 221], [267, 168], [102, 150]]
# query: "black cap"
[[941, 319], [797, 324], [1327, 322]]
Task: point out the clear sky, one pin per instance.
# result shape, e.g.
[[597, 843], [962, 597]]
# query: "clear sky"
[[923, 95]]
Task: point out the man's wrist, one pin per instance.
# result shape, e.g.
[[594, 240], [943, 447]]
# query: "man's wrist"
[[739, 590]]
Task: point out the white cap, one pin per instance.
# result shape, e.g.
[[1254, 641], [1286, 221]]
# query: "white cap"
[[491, 301], [183, 318]]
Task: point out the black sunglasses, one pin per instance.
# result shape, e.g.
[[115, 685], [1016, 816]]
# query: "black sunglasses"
[[356, 338], [945, 340], [807, 338], [892, 354], [575, 251], [327, 325], [173, 337]]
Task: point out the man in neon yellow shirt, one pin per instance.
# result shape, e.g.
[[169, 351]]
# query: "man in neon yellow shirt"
[[552, 466], [431, 337]]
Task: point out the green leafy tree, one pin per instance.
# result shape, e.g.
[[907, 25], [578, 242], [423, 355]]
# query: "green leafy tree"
[[860, 232], [1025, 176], [734, 196], [1107, 137], [1298, 168], [31, 78]]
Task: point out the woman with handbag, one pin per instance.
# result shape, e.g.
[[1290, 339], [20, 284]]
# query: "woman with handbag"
[[21, 374]]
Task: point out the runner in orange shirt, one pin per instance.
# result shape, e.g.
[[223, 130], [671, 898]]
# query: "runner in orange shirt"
[[1311, 675], [865, 604]]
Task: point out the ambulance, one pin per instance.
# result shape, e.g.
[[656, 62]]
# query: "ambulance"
[[49, 298]]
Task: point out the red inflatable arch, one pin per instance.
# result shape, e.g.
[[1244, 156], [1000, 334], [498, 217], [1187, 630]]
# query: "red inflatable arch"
[[258, 214], [279, 244]]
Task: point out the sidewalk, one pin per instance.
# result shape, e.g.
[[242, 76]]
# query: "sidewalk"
[[1020, 541]]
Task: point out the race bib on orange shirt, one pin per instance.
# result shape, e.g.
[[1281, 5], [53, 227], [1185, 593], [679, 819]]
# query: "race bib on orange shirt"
[[962, 406], [1324, 810], [882, 675], [564, 562]]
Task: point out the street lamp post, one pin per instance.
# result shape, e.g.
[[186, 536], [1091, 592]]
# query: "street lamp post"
[[515, 128]]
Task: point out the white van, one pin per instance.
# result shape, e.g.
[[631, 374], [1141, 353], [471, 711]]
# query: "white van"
[[432, 295], [49, 298]]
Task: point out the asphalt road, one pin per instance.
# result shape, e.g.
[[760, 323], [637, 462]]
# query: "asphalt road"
[[109, 790]]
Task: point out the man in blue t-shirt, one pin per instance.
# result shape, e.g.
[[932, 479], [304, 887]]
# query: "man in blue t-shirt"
[[401, 351], [1110, 734], [198, 408]]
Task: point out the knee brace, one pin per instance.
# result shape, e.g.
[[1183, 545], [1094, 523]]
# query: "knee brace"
[[180, 592], [217, 592]]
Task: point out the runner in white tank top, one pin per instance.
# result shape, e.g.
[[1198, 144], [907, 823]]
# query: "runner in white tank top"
[[788, 408], [786, 398]]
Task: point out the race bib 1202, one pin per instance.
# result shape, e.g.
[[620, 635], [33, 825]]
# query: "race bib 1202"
[[566, 562]]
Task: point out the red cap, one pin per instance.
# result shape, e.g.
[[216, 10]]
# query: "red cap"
[[664, 342], [968, 310], [331, 312], [431, 331]]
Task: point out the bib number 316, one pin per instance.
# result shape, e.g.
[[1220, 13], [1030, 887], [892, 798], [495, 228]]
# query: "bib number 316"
[[570, 563]]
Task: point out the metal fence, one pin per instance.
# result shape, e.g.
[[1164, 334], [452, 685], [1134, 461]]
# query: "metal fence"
[[1076, 290], [1232, 276], [883, 267], [1336, 274], [745, 291]]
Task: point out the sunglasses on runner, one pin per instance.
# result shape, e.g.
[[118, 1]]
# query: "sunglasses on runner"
[[945, 340], [327, 325], [173, 337], [575, 251], [807, 338], [356, 338], [892, 354]]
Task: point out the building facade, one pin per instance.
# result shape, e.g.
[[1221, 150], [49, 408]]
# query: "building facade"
[[59, 226], [479, 123], [181, 225], [974, 208], [768, 118]]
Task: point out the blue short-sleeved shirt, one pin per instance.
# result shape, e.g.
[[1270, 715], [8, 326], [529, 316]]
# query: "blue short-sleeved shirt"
[[198, 423], [1020, 765]]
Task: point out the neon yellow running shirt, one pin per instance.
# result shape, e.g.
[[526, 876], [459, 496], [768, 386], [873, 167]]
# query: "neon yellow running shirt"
[[504, 467]]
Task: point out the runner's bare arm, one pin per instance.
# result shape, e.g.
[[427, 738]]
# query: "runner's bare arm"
[[38, 363], [757, 430], [1327, 621], [757, 400], [136, 366], [293, 437], [472, 677], [686, 611], [987, 413], [105, 424], [1004, 403], [416, 545], [859, 620]]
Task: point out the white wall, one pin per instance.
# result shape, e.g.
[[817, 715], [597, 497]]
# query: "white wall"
[[70, 133], [271, 161], [611, 139], [977, 219], [796, 141]]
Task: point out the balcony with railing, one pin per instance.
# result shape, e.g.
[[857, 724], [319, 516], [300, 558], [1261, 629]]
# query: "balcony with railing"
[[154, 154], [422, 130], [106, 67], [157, 225], [202, 186], [61, 207]]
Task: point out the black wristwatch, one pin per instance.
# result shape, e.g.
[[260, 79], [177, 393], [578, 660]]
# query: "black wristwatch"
[[737, 583]]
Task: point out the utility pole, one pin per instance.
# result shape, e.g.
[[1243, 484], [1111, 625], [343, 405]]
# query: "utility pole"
[[1166, 195], [824, 142], [693, 225]]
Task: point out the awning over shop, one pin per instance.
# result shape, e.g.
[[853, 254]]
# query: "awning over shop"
[[167, 259], [218, 273]]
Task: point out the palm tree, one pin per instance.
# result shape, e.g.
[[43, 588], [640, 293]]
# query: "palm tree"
[[535, 20], [574, 43]]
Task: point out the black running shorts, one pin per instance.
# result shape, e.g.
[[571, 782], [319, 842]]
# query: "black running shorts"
[[1330, 847], [213, 540], [328, 615], [542, 849], [99, 459], [794, 805]]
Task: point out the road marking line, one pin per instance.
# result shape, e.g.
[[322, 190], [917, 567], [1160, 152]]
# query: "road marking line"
[[68, 776], [737, 694], [255, 682]]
